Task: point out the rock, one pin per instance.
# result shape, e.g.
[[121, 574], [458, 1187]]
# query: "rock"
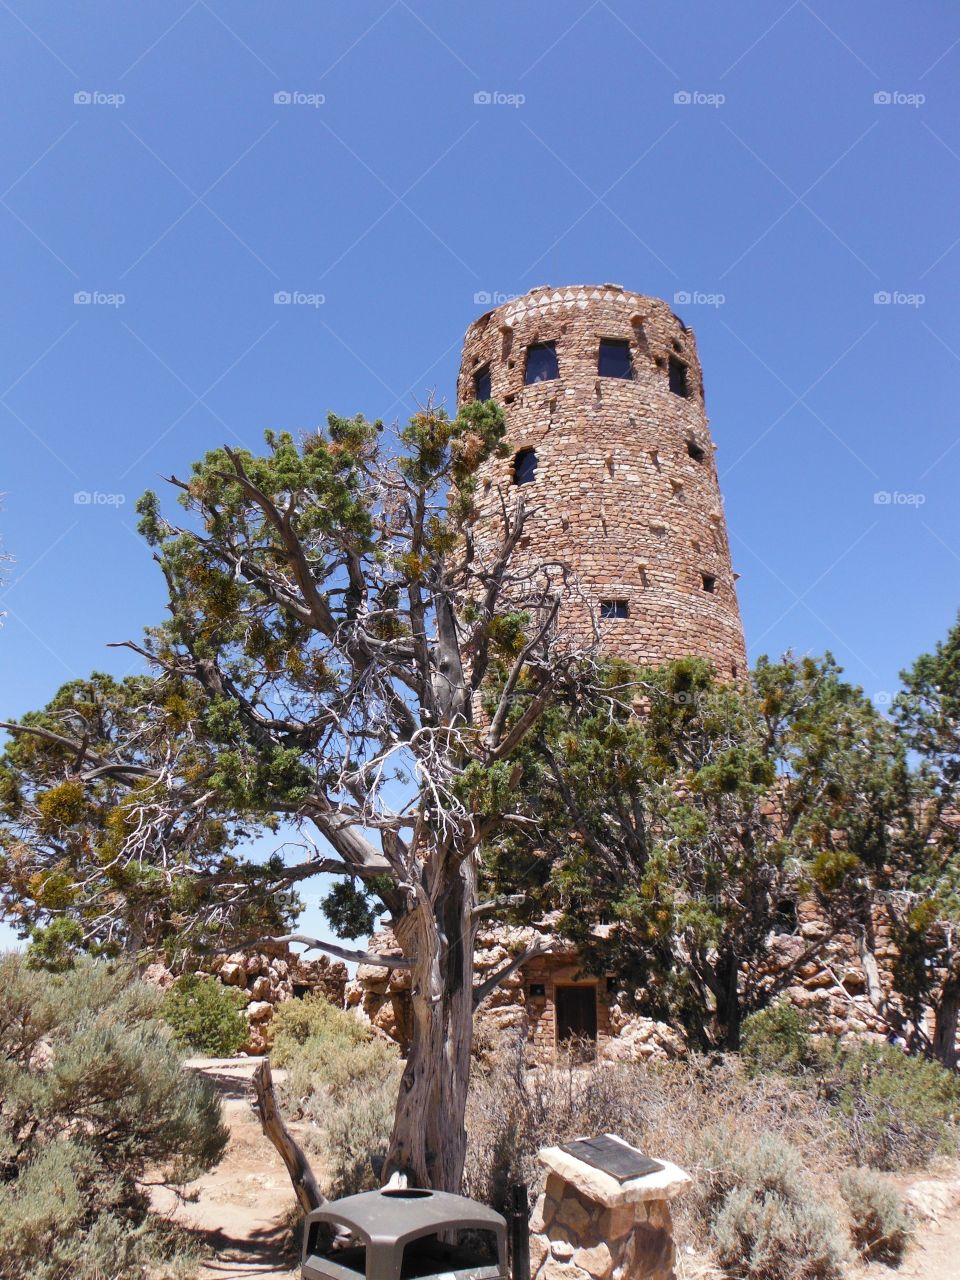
[[158, 975], [597, 1262], [539, 1252], [573, 1214], [233, 974], [261, 989], [259, 1011], [562, 1250]]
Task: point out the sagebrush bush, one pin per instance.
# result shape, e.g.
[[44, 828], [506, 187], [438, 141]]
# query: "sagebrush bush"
[[768, 1220], [205, 1016], [879, 1223], [778, 1039], [900, 1111], [344, 1082], [94, 1095]]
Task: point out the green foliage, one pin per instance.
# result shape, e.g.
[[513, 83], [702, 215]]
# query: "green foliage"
[[900, 1111], [768, 1218], [879, 1223], [778, 1039], [111, 830], [94, 1096], [694, 823], [342, 1080], [206, 1017]]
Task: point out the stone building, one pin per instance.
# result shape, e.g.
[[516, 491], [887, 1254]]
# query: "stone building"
[[609, 444]]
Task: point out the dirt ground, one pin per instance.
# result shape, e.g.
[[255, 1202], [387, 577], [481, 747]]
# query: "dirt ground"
[[245, 1210]]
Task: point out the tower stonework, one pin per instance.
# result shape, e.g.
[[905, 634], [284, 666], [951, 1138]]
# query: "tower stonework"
[[610, 448]]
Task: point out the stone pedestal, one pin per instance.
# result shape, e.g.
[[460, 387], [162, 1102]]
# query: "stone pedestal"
[[589, 1226]]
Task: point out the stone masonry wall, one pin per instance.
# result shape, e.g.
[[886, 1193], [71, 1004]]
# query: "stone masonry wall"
[[626, 496]]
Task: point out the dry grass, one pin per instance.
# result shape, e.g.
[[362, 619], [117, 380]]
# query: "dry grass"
[[672, 1110]]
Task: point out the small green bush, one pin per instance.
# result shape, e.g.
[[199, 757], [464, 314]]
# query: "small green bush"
[[206, 1017], [900, 1111], [341, 1080], [767, 1220], [878, 1222], [94, 1097], [778, 1039]]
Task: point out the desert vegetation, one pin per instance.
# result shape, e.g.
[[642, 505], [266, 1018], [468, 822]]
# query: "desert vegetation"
[[94, 1106], [342, 659]]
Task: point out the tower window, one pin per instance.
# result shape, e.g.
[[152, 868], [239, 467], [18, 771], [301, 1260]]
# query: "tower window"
[[695, 451], [614, 609], [614, 359], [525, 466], [542, 363], [708, 581], [481, 384], [678, 378]]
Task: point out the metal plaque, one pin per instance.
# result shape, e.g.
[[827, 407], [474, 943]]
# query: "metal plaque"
[[612, 1156]]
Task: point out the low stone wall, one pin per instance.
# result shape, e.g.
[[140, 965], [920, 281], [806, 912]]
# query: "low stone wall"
[[266, 978]]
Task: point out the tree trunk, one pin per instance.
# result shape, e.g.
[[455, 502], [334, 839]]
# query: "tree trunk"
[[429, 1137], [729, 1013], [946, 1015], [271, 1121]]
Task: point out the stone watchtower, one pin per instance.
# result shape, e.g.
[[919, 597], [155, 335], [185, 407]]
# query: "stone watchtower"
[[608, 434]]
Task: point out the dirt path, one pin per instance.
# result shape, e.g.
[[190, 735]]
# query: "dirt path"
[[935, 1251], [245, 1208]]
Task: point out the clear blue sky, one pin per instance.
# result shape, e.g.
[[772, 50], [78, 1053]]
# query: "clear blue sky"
[[782, 198]]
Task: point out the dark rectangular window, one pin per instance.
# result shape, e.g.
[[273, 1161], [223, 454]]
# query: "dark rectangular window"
[[678, 378], [614, 609], [695, 451], [541, 362], [614, 359], [525, 466], [481, 384], [709, 581], [538, 990]]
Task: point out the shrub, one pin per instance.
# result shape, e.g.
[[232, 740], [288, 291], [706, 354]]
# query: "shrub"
[[768, 1220], [777, 1039], [94, 1094], [343, 1082], [206, 1017], [900, 1111], [878, 1222]]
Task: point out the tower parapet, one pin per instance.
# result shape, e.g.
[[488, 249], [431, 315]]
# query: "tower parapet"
[[609, 441]]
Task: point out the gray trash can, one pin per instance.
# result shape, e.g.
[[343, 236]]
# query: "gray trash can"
[[402, 1235]]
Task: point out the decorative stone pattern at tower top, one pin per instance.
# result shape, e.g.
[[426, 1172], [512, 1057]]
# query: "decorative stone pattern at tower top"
[[624, 492]]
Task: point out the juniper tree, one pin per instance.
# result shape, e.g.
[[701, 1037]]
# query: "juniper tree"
[[114, 837], [675, 822], [925, 901], [337, 620]]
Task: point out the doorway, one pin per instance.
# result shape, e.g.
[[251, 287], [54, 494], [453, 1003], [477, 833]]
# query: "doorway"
[[576, 1014]]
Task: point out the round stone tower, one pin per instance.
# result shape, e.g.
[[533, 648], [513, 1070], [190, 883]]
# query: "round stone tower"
[[610, 448]]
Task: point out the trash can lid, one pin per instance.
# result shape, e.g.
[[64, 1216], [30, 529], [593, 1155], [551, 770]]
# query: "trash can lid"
[[392, 1215]]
